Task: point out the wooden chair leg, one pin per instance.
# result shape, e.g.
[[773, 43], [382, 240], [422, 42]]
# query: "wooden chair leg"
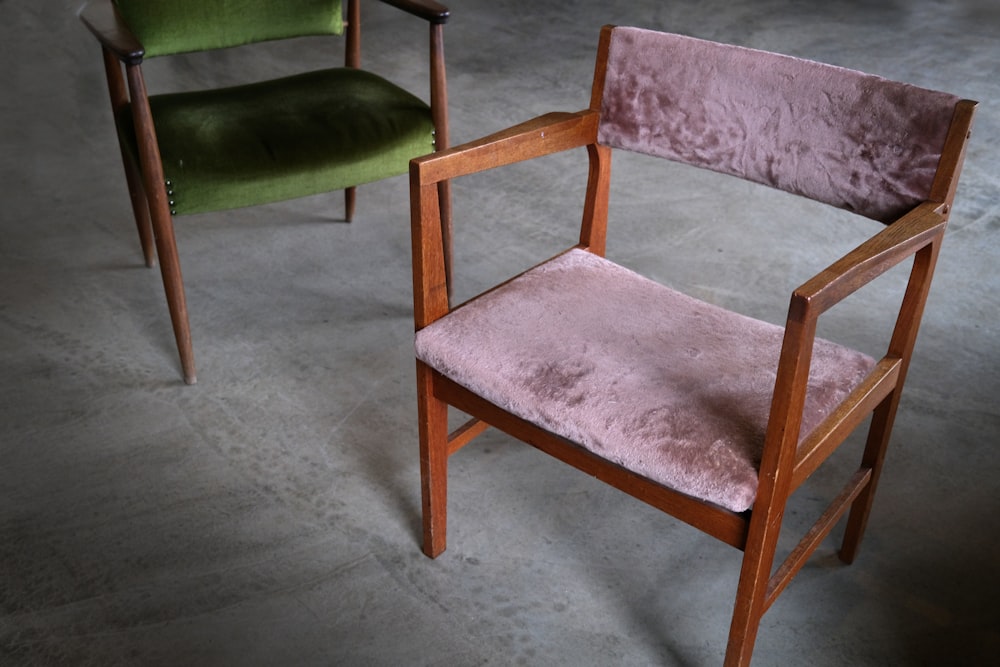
[[173, 285], [350, 195], [753, 588], [154, 187], [133, 176], [140, 209], [751, 595], [433, 423], [873, 458]]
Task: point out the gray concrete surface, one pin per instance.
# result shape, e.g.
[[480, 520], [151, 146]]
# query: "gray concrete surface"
[[269, 515]]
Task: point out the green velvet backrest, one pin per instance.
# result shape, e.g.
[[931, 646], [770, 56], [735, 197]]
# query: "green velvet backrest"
[[177, 26]]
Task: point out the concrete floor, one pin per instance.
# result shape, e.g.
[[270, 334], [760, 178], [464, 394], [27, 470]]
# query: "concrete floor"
[[269, 515]]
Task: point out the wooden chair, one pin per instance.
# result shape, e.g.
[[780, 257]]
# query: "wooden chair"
[[210, 150], [706, 414]]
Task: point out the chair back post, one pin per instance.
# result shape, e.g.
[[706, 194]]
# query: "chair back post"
[[442, 139], [353, 29], [593, 229], [439, 87], [601, 68], [953, 155]]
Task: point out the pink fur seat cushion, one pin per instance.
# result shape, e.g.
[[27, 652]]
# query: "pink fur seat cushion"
[[672, 388]]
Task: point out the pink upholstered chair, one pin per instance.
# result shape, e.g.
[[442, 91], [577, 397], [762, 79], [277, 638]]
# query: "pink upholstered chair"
[[706, 414]]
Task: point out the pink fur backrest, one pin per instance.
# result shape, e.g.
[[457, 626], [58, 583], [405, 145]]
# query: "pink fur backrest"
[[849, 139]]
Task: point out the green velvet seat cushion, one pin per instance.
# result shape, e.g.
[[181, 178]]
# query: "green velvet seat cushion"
[[286, 138]]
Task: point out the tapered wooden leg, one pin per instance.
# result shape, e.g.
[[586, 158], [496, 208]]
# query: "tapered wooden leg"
[[350, 195], [873, 458], [173, 284], [758, 561], [140, 209], [433, 420], [751, 593], [155, 189]]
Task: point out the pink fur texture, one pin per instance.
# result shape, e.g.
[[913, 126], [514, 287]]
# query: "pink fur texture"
[[849, 139], [672, 388]]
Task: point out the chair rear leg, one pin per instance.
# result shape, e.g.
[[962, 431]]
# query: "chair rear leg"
[[140, 209], [873, 458], [432, 414], [350, 196], [444, 202]]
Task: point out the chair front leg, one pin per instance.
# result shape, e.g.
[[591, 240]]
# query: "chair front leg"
[[752, 590], [162, 222], [433, 425], [173, 285], [780, 441]]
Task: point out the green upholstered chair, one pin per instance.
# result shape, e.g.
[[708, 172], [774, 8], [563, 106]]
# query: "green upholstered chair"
[[210, 150]]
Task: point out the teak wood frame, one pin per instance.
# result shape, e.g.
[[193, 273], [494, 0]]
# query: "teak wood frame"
[[121, 49], [785, 465]]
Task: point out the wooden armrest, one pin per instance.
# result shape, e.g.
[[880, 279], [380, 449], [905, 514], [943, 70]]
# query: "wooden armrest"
[[550, 133], [425, 9], [907, 236], [871, 259], [103, 20]]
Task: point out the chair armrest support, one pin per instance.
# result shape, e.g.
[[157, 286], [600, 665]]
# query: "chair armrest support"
[[105, 22], [917, 231], [551, 133], [426, 9], [540, 136], [899, 240]]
